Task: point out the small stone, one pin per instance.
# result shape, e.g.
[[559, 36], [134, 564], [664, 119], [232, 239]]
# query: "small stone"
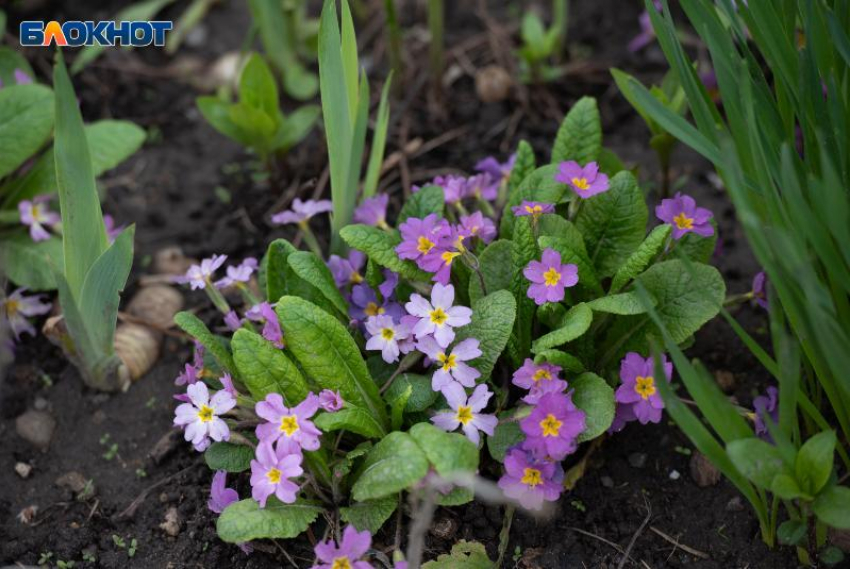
[[23, 469], [163, 498], [73, 481], [166, 444], [27, 515], [171, 525], [36, 427], [735, 505], [444, 528], [703, 472], [725, 380], [171, 261], [638, 459], [840, 538], [674, 475], [607, 482], [40, 404], [98, 417], [492, 84]]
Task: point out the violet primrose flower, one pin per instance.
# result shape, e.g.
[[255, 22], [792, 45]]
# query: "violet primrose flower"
[[647, 32], [220, 495], [499, 171], [347, 271], [352, 547], [452, 365], [301, 212], [766, 406], [232, 321], [291, 428], [466, 413], [454, 187], [112, 231], [482, 186], [549, 277], [239, 274], [760, 289], [16, 308], [539, 379], [189, 375], [552, 427], [330, 401], [440, 258], [373, 211], [419, 236], [200, 416], [682, 213], [21, 78], [638, 390], [476, 225], [386, 335], [438, 317], [271, 471], [264, 312], [586, 181], [364, 304], [531, 482], [199, 276], [534, 209], [36, 215]]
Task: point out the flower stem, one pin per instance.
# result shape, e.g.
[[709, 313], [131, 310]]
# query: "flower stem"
[[310, 240], [216, 297]]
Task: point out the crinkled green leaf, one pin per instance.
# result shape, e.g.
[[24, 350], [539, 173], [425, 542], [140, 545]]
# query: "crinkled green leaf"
[[538, 186], [229, 457], [421, 394], [642, 257], [355, 419], [506, 435], [28, 263], [566, 361], [613, 223], [576, 323], [344, 466], [756, 459], [525, 250], [394, 464], [193, 326], [429, 199], [570, 253], [245, 521], [314, 271], [553, 225], [523, 166], [594, 396], [397, 406], [497, 267], [698, 248], [464, 555], [449, 453], [281, 279], [786, 488], [380, 247], [492, 321], [265, 369], [328, 354], [624, 304], [369, 515], [580, 136], [26, 120]]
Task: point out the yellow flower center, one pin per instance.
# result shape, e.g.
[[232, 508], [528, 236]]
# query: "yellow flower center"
[[645, 386], [551, 426], [449, 256], [289, 424], [534, 210], [464, 414], [438, 316], [580, 183], [205, 414], [12, 307], [459, 244], [341, 563], [448, 362], [682, 221], [541, 374], [424, 245], [531, 477], [373, 309], [274, 475], [356, 278], [551, 277], [387, 334]]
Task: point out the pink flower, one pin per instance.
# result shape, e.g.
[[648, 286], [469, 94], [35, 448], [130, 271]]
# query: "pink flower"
[[200, 416], [37, 216], [440, 258], [476, 225], [420, 236], [466, 413], [586, 181], [199, 276], [452, 366], [385, 336], [264, 312], [352, 547], [638, 397], [530, 481], [533, 209], [111, 230], [301, 212], [347, 271], [539, 379], [239, 274], [438, 317], [549, 277], [330, 401], [552, 427], [292, 428], [17, 308], [220, 495], [499, 171], [682, 213], [271, 473], [373, 211]]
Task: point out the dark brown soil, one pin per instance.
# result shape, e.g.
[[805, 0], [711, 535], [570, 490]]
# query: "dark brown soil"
[[168, 190]]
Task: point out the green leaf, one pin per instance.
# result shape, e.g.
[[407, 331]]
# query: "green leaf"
[[580, 136], [257, 88], [832, 507], [575, 324], [313, 270], [813, 466], [369, 515], [355, 419], [397, 406], [449, 453], [786, 488], [538, 186], [193, 326], [244, 520], [831, 555], [328, 354], [698, 248], [218, 113], [613, 223], [457, 496], [791, 532], [642, 257], [492, 321], [556, 357], [506, 435], [296, 126], [523, 166], [756, 459], [464, 555], [265, 369], [281, 279], [594, 396], [624, 304], [394, 464], [10, 60], [575, 254], [429, 199], [380, 247], [28, 263], [421, 395], [229, 457], [26, 119], [344, 466], [379, 142]]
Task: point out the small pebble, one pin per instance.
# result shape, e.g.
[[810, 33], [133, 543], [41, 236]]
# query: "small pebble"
[[725, 380], [444, 528], [23, 469], [171, 525], [98, 417], [73, 481], [674, 475], [735, 505], [638, 459], [607, 481], [492, 84], [36, 427], [40, 404]]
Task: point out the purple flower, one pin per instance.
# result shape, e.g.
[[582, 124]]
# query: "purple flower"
[[188, 376], [364, 304], [227, 384], [292, 428], [385, 336], [454, 187], [37, 216], [766, 406], [352, 547], [271, 471], [549, 277], [647, 33], [529, 481], [539, 379], [330, 401], [683, 214], [534, 209], [638, 390], [264, 312], [220, 495], [476, 225], [420, 236], [301, 212], [552, 427], [466, 412], [452, 366], [111, 230], [232, 321], [21, 78], [199, 276], [16, 308], [483, 186], [760, 289], [200, 415], [440, 258], [238, 274], [347, 271], [438, 317], [497, 170], [387, 288], [373, 211], [586, 182]]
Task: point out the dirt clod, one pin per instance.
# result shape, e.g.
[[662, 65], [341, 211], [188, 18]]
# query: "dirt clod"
[[638, 459], [725, 380], [36, 427], [23, 469], [703, 472], [492, 84], [73, 481], [171, 525]]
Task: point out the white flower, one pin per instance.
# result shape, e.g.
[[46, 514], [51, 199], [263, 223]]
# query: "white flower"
[[466, 412], [200, 416], [199, 276], [386, 335], [438, 317]]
